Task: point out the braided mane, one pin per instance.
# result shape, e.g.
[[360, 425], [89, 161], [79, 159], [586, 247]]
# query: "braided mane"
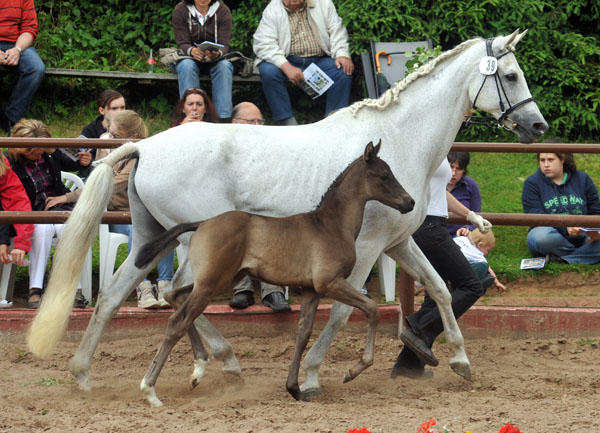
[[393, 94]]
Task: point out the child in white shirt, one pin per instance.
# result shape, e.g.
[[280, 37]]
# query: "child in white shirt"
[[475, 246]]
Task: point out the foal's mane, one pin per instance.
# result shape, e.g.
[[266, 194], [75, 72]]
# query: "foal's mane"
[[393, 94], [337, 182]]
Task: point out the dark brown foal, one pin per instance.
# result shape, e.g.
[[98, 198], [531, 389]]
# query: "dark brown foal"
[[313, 250]]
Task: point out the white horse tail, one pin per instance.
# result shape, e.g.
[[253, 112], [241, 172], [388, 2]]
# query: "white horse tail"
[[151, 249], [80, 231]]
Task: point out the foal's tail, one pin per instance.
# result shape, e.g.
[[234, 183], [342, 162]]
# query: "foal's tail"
[[151, 249], [80, 230]]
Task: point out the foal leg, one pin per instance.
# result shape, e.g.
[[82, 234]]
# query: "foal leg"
[[310, 301], [341, 290], [337, 319], [218, 347], [412, 259], [176, 298], [179, 324]]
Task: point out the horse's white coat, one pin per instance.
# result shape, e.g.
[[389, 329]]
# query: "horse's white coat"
[[199, 170]]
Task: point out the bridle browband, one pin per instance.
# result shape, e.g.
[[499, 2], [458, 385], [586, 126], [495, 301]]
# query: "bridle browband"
[[499, 87]]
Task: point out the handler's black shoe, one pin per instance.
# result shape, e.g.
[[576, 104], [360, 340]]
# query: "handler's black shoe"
[[242, 300], [419, 347], [276, 301], [411, 373]]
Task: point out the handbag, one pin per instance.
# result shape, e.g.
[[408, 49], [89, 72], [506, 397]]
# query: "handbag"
[[170, 56]]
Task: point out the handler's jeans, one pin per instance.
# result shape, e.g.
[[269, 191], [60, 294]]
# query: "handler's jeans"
[[31, 71], [165, 266], [275, 82], [221, 77], [445, 256], [579, 249]]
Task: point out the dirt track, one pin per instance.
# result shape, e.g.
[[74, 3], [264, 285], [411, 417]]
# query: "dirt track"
[[549, 385]]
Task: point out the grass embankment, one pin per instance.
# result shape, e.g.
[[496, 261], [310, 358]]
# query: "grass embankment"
[[500, 178]]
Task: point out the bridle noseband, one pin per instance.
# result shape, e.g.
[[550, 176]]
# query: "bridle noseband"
[[490, 63]]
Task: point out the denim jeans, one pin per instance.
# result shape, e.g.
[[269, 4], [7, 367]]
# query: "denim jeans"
[[447, 259], [31, 71], [547, 240], [221, 77], [274, 83], [165, 266]]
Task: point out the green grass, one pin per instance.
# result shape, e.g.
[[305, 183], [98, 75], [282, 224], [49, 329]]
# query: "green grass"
[[500, 178]]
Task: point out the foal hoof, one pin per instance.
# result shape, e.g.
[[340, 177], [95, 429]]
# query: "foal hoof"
[[463, 369]]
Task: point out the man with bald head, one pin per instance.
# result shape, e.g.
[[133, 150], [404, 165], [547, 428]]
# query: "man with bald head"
[[243, 294]]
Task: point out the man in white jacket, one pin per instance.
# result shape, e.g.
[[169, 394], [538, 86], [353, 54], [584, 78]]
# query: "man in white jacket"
[[291, 35]]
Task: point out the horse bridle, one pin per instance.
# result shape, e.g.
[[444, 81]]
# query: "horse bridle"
[[499, 87]]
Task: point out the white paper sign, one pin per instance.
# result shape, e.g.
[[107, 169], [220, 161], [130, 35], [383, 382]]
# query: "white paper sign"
[[488, 65], [316, 82]]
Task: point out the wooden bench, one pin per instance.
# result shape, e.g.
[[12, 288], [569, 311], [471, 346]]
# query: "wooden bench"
[[140, 77]]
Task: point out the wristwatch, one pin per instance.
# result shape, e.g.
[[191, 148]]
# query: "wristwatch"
[[19, 50]]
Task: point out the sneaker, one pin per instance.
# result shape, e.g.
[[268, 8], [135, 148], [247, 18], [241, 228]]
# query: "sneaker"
[[145, 294], [5, 304], [80, 301], [365, 292], [163, 285]]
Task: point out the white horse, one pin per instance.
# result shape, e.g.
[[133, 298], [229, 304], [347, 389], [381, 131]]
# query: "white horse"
[[199, 170]]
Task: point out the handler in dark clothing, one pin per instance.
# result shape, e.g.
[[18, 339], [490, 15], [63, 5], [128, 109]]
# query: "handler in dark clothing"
[[445, 256]]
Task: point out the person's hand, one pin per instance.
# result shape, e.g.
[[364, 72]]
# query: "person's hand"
[[499, 286], [192, 117], [55, 201], [212, 54], [10, 57], [4, 254], [477, 220], [573, 231], [594, 236], [85, 158], [463, 231], [346, 64], [197, 54], [293, 73], [18, 256]]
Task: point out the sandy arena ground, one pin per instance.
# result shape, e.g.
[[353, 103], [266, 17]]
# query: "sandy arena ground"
[[540, 385]]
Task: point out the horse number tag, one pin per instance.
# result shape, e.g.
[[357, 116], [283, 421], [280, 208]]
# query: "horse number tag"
[[488, 65]]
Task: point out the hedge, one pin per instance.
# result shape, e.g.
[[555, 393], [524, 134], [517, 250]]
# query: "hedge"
[[560, 56]]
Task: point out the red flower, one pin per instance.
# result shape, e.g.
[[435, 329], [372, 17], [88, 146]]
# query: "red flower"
[[509, 429], [425, 426], [359, 430]]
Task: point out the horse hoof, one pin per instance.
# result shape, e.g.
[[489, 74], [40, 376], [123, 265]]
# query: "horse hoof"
[[463, 369], [348, 377], [193, 382], [83, 382], [309, 393]]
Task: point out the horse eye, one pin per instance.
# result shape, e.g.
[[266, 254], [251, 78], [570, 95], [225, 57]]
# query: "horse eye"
[[511, 77], [384, 177]]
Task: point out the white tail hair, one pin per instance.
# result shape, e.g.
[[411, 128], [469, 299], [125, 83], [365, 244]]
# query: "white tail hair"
[[80, 230]]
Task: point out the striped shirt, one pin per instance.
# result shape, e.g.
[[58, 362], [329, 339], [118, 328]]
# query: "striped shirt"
[[303, 43], [17, 17]]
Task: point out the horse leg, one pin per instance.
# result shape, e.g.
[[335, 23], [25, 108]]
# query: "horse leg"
[[218, 347], [342, 291], [310, 301], [412, 259], [108, 303], [176, 298], [337, 319], [179, 323]]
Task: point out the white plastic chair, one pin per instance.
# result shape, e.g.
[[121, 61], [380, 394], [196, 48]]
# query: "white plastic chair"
[[7, 274], [109, 243]]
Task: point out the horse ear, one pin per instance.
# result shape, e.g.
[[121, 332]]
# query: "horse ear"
[[377, 147], [509, 42], [370, 153], [517, 39]]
